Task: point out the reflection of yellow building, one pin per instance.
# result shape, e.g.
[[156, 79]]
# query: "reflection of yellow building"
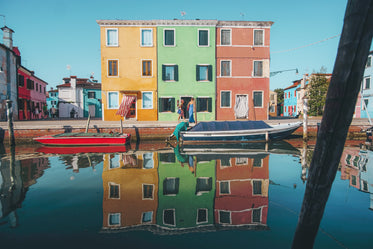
[[129, 66], [130, 184]]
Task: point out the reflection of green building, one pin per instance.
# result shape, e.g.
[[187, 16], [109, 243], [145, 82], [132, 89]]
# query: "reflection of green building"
[[186, 192]]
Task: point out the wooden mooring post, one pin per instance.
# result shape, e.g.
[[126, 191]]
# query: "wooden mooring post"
[[340, 103]]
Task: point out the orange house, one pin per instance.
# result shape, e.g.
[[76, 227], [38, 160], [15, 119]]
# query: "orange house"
[[242, 61], [128, 67]]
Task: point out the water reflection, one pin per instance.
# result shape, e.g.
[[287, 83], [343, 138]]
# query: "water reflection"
[[168, 190]]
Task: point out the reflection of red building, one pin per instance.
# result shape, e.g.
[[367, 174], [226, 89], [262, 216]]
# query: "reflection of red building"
[[32, 169], [350, 166], [31, 95], [242, 190]]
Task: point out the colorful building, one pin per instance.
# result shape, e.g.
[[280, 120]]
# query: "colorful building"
[[223, 65], [186, 67], [9, 63], [52, 100], [291, 99], [31, 95], [129, 67], [78, 97], [242, 59]]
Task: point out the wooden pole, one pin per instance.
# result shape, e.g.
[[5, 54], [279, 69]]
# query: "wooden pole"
[[339, 108], [89, 120], [121, 125], [305, 110], [10, 123]]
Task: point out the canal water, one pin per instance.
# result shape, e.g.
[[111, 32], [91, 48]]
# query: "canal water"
[[157, 196]]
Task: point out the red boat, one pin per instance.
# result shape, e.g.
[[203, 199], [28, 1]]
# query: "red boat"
[[82, 149], [86, 139]]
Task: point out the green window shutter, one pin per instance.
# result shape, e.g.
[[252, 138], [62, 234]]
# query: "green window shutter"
[[197, 73], [172, 104], [210, 104], [163, 72], [160, 103], [209, 73], [176, 69]]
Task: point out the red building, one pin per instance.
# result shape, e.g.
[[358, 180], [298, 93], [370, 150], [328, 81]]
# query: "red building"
[[31, 95], [242, 84]]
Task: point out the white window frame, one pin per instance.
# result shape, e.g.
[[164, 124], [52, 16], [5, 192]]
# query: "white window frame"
[[107, 71], [141, 36], [230, 68], [258, 76], [174, 211], [108, 100], [230, 99], [117, 39], [230, 37], [365, 83], [113, 184], [164, 38], [254, 91], [230, 217], [252, 216], [142, 100], [261, 190], [143, 198], [117, 160], [208, 38], [146, 222], [229, 188], [115, 225], [146, 76], [207, 72], [369, 57], [262, 45]]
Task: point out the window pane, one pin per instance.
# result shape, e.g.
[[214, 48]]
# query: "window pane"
[[169, 217], [225, 99], [112, 37], [169, 39], [148, 161], [224, 217], [257, 187], [203, 72], [203, 104], [114, 191], [146, 37], [225, 37], [224, 187], [203, 38], [147, 68], [171, 186], [225, 68], [367, 83], [91, 95], [258, 99], [114, 219], [203, 185], [166, 104], [258, 37], [148, 191], [170, 73], [147, 217], [201, 215], [113, 100], [258, 68], [147, 100], [256, 215], [113, 68]]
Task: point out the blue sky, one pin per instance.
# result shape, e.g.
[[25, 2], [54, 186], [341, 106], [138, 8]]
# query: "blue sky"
[[52, 34]]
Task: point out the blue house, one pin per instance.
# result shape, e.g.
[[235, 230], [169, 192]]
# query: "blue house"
[[291, 99], [92, 99], [52, 100], [367, 90]]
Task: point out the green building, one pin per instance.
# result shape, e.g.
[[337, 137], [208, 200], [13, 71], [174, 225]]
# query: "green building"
[[186, 67]]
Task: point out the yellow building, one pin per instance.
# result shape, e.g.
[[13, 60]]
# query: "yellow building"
[[129, 67]]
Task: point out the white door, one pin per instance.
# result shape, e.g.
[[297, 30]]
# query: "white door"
[[241, 108]]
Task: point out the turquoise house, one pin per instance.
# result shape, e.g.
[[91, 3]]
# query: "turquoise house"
[[52, 100], [186, 192], [290, 99], [186, 67], [92, 100]]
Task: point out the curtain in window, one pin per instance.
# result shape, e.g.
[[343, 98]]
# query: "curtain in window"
[[241, 109], [147, 216], [112, 37], [258, 99], [114, 219], [225, 37], [147, 39], [148, 161]]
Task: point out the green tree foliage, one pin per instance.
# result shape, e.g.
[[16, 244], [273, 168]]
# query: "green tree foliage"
[[280, 95], [317, 89]]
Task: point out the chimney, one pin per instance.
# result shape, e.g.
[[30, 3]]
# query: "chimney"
[[7, 37], [73, 81]]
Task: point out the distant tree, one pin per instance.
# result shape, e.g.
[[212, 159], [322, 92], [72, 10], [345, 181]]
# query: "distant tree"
[[280, 95], [316, 93]]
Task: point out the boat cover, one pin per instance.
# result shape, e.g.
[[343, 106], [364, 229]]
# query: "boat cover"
[[229, 125]]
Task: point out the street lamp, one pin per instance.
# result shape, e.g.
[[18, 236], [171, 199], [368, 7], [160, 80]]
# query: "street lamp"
[[277, 72]]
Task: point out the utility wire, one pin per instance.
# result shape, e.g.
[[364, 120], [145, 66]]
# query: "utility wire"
[[311, 44]]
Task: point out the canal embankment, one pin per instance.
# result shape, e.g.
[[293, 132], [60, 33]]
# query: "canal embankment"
[[25, 131]]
